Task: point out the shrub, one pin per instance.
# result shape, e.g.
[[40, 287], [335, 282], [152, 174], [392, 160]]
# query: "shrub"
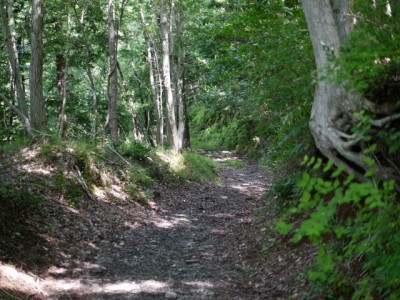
[[356, 228]]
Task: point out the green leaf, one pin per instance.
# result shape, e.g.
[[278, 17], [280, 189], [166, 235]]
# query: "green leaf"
[[304, 181], [328, 166], [371, 171], [370, 149], [283, 227], [349, 179], [311, 161], [339, 171], [305, 160], [368, 160], [317, 164], [340, 231]]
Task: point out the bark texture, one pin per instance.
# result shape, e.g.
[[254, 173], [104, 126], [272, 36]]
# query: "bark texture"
[[7, 24], [171, 100], [332, 115], [81, 23], [157, 100], [112, 77], [183, 127], [37, 109]]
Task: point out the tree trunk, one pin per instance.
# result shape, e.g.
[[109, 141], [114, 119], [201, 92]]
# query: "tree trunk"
[[112, 77], [332, 112], [160, 96], [88, 69], [137, 132], [183, 127], [62, 77], [24, 118], [12, 54], [154, 90], [171, 101], [38, 112]]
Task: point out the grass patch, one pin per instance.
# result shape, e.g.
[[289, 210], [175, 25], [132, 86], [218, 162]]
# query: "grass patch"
[[236, 163], [16, 144], [200, 167], [189, 165]]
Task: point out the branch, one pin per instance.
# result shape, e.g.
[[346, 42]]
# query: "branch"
[[82, 182], [24, 118], [120, 156]]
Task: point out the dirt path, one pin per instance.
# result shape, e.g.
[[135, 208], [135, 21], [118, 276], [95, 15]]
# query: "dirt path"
[[191, 245]]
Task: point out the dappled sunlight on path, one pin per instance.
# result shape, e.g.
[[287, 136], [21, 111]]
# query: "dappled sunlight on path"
[[190, 244]]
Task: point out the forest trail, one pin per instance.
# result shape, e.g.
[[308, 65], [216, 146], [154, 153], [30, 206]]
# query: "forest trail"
[[192, 244]]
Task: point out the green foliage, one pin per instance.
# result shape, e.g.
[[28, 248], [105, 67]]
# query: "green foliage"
[[198, 167], [257, 93], [135, 192], [284, 192], [18, 193], [134, 149], [371, 53], [141, 176], [236, 163], [69, 188], [16, 143], [356, 228]]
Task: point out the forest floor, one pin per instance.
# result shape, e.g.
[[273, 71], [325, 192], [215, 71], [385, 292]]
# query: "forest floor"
[[193, 241]]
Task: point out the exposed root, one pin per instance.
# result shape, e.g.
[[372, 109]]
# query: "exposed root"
[[379, 109], [384, 121]]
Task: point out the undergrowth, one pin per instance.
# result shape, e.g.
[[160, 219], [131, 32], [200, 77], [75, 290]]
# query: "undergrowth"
[[355, 226]]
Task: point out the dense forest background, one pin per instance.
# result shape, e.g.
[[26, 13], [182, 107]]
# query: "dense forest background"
[[310, 89]]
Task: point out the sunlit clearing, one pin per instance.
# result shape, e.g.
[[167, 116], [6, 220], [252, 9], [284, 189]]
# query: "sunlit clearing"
[[53, 270], [175, 161], [95, 287], [11, 279], [99, 193], [117, 192], [28, 153], [38, 170]]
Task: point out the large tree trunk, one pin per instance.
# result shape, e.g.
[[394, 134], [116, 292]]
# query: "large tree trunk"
[[183, 127], [38, 112], [12, 54], [332, 115], [171, 100], [113, 83]]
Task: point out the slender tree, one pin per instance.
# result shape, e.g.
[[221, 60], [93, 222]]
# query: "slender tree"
[[37, 109], [157, 100], [112, 77], [63, 81], [7, 23], [81, 22], [171, 100]]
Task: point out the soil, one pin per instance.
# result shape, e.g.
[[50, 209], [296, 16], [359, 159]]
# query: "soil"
[[193, 241]]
